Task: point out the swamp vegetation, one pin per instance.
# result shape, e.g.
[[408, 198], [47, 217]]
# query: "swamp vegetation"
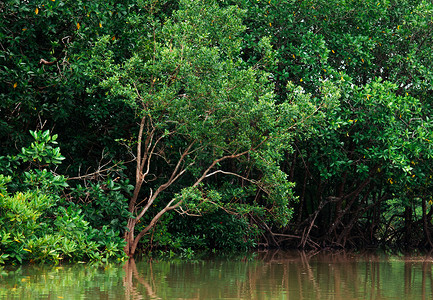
[[212, 125]]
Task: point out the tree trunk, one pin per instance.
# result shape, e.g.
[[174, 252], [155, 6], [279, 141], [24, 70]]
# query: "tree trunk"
[[407, 226]]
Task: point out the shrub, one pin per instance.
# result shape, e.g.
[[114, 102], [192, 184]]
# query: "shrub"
[[40, 225]]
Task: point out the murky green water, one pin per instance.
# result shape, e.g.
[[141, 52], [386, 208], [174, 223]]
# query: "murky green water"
[[269, 275]]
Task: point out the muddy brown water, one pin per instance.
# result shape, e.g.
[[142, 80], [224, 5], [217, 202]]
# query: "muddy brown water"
[[261, 275]]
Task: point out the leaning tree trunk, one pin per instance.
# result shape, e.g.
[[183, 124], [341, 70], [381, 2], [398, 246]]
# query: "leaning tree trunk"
[[145, 153]]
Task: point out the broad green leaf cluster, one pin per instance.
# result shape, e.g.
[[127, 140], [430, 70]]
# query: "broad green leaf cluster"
[[38, 225]]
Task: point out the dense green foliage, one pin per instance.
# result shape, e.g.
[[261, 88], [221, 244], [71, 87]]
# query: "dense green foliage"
[[363, 176], [301, 123], [38, 225]]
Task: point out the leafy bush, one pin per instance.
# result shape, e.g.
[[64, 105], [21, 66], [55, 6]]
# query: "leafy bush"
[[104, 203], [213, 231], [40, 225]]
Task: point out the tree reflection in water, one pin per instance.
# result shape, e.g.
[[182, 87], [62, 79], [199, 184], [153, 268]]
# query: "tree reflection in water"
[[284, 275], [262, 275]]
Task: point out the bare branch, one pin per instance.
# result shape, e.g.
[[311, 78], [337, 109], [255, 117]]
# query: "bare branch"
[[139, 161], [181, 211], [150, 150], [231, 173], [206, 172], [155, 219], [99, 171], [46, 63], [174, 176]]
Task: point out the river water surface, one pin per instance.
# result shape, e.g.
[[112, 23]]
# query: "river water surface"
[[264, 275]]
